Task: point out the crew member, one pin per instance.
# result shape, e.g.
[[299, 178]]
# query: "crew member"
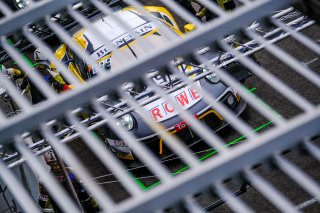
[[47, 72], [89, 204]]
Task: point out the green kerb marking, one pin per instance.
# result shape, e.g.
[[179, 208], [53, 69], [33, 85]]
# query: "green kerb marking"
[[262, 102], [212, 152], [143, 187], [180, 170], [153, 185]]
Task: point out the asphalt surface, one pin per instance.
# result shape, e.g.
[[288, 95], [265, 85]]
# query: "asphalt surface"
[[277, 102], [269, 96]]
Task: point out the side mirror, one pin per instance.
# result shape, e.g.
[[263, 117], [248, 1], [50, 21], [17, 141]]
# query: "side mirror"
[[189, 27]]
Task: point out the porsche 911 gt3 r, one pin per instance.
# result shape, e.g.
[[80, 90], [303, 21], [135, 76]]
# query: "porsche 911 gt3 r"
[[159, 110]]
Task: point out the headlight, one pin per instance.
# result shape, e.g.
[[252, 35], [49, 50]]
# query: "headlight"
[[21, 4], [231, 100], [213, 78], [126, 121]]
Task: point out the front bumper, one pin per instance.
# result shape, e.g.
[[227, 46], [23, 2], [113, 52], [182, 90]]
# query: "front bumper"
[[209, 117]]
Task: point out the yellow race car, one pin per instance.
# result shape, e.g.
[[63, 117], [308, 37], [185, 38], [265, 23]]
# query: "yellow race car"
[[159, 110], [118, 37]]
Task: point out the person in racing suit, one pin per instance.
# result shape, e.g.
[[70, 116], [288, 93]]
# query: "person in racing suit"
[[203, 11], [88, 203], [53, 78], [7, 105], [187, 4], [44, 69]]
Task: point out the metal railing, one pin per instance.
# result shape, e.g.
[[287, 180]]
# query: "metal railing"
[[38, 122]]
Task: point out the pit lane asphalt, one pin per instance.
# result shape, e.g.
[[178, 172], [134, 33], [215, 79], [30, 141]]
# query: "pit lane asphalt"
[[270, 97], [278, 103]]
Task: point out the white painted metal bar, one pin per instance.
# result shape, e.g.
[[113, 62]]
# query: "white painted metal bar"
[[171, 141], [226, 113], [272, 80], [65, 37], [137, 148], [267, 34], [51, 184], [163, 28], [277, 139], [299, 176], [5, 9], [201, 175], [298, 36], [194, 123], [35, 77], [17, 190], [312, 149], [100, 151], [16, 95], [2, 117], [182, 12], [274, 196], [192, 41], [89, 26], [288, 59], [251, 98], [280, 13], [191, 205], [61, 68], [105, 201], [145, 44], [66, 139], [234, 203], [37, 11], [245, 1], [213, 7]]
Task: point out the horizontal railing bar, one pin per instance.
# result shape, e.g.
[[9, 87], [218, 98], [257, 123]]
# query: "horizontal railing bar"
[[277, 139], [37, 11], [97, 86]]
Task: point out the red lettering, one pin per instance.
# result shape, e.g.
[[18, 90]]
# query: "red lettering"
[[156, 114], [180, 126], [167, 107], [182, 99], [194, 94]]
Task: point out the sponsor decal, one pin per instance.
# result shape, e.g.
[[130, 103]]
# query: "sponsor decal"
[[102, 50], [161, 110], [183, 124], [180, 126], [117, 143], [120, 144]]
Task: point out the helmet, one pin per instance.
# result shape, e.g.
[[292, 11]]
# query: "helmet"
[[3, 70], [40, 58]]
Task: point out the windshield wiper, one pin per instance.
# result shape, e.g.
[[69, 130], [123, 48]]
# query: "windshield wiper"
[[126, 43]]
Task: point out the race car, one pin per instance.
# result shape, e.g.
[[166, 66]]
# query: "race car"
[[159, 110]]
